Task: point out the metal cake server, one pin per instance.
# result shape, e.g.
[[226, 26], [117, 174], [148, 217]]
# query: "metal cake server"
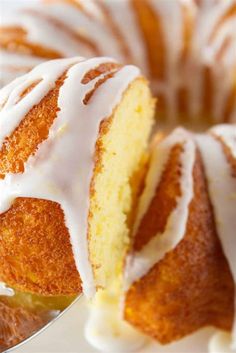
[[38, 331]]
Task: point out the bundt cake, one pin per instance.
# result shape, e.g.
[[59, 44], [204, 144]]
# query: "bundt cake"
[[84, 206], [73, 135], [13, 65], [185, 47], [179, 273], [181, 270]]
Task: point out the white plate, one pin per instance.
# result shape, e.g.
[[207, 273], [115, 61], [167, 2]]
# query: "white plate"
[[66, 335]]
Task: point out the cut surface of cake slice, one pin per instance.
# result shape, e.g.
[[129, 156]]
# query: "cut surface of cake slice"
[[74, 134]]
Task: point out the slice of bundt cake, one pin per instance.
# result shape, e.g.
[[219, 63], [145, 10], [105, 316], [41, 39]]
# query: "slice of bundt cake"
[[180, 274], [185, 48], [73, 136]]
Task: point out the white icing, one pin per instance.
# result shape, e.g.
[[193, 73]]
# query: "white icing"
[[10, 94], [220, 343], [45, 32], [124, 17], [107, 331], [6, 291], [139, 263], [223, 78], [171, 17], [205, 46], [57, 172], [175, 16], [13, 65], [50, 184], [92, 7], [228, 134], [98, 32], [208, 16], [222, 190], [16, 60]]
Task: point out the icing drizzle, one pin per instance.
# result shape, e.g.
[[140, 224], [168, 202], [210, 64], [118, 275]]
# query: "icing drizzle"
[[76, 122], [222, 190], [13, 65], [208, 59], [139, 263]]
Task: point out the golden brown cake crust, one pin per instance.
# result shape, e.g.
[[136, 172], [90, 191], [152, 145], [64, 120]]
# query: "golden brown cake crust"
[[33, 129], [192, 286], [34, 241], [163, 203], [14, 39], [35, 249]]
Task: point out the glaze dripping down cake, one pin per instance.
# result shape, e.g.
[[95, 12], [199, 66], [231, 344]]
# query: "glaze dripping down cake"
[[73, 137], [74, 155], [181, 270], [186, 48], [88, 202]]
